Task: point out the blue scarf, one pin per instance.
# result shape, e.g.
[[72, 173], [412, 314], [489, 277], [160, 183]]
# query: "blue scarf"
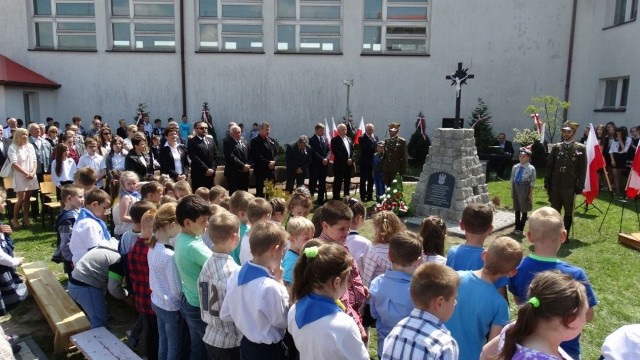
[[313, 307], [249, 272], [84, 214], [135, 195]]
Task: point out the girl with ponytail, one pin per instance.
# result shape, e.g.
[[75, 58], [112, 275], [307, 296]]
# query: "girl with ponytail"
[[555, 312], [317, 321]]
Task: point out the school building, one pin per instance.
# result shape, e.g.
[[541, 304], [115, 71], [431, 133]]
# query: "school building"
[[286, 61]]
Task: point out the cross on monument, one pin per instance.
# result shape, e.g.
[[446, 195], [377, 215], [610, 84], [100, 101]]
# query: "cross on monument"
[[459, 78]]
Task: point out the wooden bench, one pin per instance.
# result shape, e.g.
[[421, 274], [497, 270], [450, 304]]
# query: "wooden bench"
[[100, 343], [63, 315]]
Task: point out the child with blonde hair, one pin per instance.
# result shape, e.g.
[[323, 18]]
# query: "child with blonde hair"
[[217, 194], [376, 261], [182, 189], [238, 204], [258, 210], [300, 231], [299, 203], [128, 195], [316, 321], [556, 311], [164, 281], [203, 192], [433, 232]]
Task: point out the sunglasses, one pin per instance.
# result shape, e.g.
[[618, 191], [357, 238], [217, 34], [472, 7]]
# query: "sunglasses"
[[202, 128]]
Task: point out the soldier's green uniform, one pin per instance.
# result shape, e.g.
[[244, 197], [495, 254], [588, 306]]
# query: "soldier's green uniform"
[[565, 174], [394, 159]]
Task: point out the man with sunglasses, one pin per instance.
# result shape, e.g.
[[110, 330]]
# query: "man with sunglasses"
[[203, 155]]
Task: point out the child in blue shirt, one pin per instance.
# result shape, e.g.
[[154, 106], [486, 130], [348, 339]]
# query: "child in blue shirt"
[[300, 231], [547, 233], [390, 299], [481, 310]]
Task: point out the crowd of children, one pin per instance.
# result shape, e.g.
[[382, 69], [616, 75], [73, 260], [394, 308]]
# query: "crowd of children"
[[239, 277]]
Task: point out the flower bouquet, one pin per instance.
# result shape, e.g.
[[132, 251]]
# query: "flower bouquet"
[[393, 199]]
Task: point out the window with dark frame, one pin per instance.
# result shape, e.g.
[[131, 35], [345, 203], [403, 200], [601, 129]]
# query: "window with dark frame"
[[230, 26], [64, 24], [615, 93], [309, 26], [396, 27]]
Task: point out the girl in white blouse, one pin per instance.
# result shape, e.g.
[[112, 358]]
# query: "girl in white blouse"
[[62, 167], [618, 149]]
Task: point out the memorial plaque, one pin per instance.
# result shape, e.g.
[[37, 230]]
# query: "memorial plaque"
[[440, 189]]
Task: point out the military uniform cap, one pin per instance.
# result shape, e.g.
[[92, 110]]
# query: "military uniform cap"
[[394, 126], [570, 125]]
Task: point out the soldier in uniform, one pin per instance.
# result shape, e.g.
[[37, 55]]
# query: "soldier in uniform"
[[565, 173], [394, 159]]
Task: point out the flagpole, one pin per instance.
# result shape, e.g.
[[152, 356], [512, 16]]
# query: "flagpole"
[[606, 176]]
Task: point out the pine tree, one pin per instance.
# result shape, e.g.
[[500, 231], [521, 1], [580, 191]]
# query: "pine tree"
[[481, 123]]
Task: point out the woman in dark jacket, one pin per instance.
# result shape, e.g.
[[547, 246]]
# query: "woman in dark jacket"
[[173, 160], [139, 159]]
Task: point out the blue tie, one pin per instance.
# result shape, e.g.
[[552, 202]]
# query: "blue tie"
[[519, 175]]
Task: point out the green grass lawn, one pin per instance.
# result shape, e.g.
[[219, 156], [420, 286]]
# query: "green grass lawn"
[[614, 271]]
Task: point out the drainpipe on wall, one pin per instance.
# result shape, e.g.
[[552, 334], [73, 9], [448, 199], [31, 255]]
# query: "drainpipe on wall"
[[182, 62], [567, 84]]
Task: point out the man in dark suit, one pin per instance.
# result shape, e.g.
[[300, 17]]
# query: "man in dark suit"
[[368, 143], [202, 152], [319, 163], [505, 148], [263, 154], [342, 149], [298, 158], [236, 160]]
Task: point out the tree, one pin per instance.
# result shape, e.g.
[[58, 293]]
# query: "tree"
[[549, 107], [480, 122], [418, 147]]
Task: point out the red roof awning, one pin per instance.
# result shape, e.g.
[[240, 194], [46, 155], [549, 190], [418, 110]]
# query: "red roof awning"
[[14, 74]]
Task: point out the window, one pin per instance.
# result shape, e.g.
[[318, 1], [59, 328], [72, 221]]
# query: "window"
[[143, 25], [614, 93], [622, 11], [309, 26], [64, 24], [396, 27], [227, 25]]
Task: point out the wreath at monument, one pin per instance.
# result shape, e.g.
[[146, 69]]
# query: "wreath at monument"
[[393, 198]]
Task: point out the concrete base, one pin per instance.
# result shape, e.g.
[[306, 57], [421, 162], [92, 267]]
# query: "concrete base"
[[501, 220]]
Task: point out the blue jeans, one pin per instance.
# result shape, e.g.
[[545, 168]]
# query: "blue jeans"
[[197, 327], [92, 302], [169, 326]]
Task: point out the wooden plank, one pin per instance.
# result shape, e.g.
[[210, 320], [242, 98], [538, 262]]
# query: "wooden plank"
[[100, 343], [630, 240], [61, 312]]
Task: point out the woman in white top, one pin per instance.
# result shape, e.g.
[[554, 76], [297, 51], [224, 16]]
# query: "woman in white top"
[[113, 162], [104, 141], [618, 149], [23, 159], [173, 157], [126, 143], [62, 167]]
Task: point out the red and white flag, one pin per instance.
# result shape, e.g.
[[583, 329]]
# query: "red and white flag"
[[334, 129], [359, 132], [595, 161], [633, 187], [539, 126], [327, 131]]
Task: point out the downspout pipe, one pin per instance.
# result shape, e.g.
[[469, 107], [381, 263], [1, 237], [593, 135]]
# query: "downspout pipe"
[[182, 61], [567, 84]]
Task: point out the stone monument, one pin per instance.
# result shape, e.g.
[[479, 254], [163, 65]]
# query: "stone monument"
[[452, 176]]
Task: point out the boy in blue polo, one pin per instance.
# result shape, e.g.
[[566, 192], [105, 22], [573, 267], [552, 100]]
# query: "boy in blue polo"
[[547, 233], [390, 300]]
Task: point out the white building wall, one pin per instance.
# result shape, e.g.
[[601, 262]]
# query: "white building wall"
[[517, 49], [603, 53]]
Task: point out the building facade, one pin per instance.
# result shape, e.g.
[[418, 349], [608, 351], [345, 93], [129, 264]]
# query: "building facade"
[[285, 61]]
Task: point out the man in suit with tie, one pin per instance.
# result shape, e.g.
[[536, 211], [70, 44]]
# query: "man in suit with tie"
[[202, 152], [236, 158], [319, 163], [263, 154], [342, 149], [298, 158], [368, 143]]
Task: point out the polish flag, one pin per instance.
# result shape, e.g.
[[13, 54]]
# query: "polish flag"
[[327, 132], [633, 186], [335, 128], [360, 131], [539, 126], [595, 161]]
